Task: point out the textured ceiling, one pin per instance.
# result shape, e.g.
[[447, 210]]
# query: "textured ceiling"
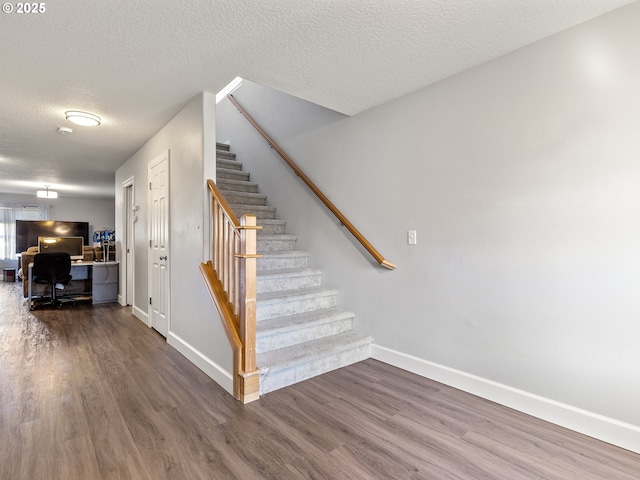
[[137, 63]]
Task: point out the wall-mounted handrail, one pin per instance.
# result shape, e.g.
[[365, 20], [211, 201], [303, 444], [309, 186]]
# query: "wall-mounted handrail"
[[343, 220], [230, 277]]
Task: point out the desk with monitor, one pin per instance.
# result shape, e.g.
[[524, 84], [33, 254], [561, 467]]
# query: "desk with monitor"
[[101, 279]]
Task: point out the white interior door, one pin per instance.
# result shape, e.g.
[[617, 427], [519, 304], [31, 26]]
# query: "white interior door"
[[159, 243]]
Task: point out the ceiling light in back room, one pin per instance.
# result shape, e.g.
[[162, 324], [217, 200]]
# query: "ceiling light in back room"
[[47, 193], [83, 118]]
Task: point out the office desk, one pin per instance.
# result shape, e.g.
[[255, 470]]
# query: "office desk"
[[103, 286]]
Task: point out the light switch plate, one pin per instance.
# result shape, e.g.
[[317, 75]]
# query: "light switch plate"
[[412, 238]]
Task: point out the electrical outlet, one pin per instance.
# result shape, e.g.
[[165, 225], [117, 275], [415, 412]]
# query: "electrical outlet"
[[412, 238]]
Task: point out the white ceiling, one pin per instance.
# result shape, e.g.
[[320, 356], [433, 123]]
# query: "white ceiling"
[[137, 63]]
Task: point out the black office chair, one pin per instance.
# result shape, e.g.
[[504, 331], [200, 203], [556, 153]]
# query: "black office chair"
[[51, 269]]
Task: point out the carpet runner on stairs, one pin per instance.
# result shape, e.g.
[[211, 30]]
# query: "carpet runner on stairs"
[[301, 330]]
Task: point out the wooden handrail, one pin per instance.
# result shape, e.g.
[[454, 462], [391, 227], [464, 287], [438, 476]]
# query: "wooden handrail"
[[343, 220], [217, 195], [230, 277]]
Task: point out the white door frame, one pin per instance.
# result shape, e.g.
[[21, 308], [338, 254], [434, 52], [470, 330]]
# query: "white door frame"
[[159, 260], [127, 250]]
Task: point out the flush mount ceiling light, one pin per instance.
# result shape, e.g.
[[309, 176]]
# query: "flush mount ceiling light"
[[47, 193], [83, 118], [65, 130]]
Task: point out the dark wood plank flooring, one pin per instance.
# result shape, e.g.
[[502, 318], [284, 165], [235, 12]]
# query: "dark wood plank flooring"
[[92, 393]]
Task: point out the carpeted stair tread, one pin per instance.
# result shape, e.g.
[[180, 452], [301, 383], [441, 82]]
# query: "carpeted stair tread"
[[234, 196], [259, 211], [244, 198], [228, 164], [225, 155], [279, 260], [288, 272], [271, 226], [237, 185], [272, 304], [222, 146], [241, 206], [282, 236], [302, 320], [275, 243], [227, 173], [285, 331], [292, 253], [307, 352], [288, 279], [270, 298]]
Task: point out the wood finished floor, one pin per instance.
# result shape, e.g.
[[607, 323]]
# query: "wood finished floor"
[[91, 393]]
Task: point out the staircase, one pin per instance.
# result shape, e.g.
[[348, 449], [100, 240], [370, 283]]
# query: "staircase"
[[301, 331]]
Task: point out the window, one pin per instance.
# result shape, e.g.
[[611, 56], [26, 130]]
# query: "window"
[[8, 216]]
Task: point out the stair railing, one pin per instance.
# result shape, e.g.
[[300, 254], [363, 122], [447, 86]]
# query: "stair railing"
[[230, 277], [343, 220]]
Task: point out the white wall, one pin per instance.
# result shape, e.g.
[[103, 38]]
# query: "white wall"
[[195, 328], [521, 177]]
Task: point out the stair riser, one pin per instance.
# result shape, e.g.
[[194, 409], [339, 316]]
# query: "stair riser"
[[288, 283], [274, 380], [277, 340], [232, 175], [294, 306], [267, 213], [271, 229], [237, 187], [270, 263], [222, 147], [231, 197], [228, 164], [284, 245], [225, 155]]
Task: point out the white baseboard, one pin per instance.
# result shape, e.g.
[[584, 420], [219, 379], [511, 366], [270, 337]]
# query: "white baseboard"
[[141, 315], [208, 366], [603, 428]]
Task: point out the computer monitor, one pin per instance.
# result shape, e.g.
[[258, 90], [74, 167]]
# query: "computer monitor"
[[74, 246]]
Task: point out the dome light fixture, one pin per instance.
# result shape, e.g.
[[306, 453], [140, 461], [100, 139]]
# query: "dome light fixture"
[[47, 193], [83, 118]]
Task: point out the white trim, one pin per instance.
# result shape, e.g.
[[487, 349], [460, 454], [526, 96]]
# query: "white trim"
[[231, 87], [141, 315], [128, 221], [208, 366], [603, 428]]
